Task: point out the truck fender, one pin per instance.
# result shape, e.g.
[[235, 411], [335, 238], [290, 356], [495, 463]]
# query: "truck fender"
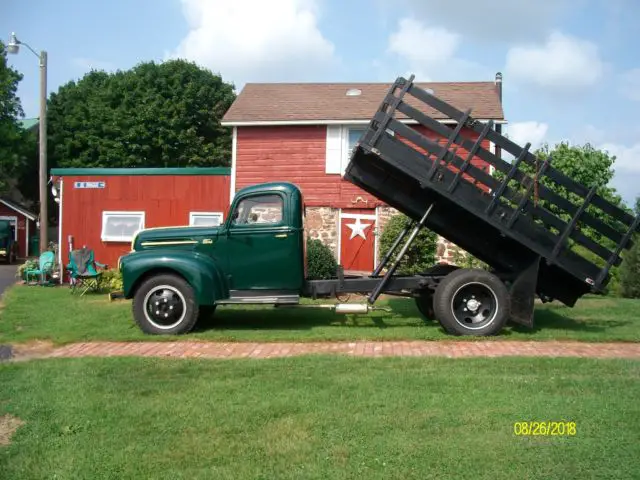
[[200, 271]]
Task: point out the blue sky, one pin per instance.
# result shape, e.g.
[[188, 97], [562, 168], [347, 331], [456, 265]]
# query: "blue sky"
[[571, 70]]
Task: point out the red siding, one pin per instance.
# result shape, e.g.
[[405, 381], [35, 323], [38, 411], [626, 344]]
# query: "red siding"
[[297, 154], [165, 199], [22, 229]]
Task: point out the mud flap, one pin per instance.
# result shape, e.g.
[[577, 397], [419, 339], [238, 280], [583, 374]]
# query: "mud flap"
[[523, 291]]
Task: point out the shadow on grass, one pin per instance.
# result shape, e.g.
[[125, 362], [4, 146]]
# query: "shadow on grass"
[[550, 319], [402, 314]]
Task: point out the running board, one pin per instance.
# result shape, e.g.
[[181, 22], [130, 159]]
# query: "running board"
[[262, 300]]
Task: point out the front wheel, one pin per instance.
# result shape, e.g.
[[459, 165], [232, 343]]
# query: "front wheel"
[[472, 302], [165, 305]]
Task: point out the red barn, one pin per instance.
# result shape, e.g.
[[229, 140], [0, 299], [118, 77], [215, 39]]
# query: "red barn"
[[103, 208], [303, 133], [24, 223]]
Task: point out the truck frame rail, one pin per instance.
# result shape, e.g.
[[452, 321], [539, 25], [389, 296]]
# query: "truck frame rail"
[[526, 213]]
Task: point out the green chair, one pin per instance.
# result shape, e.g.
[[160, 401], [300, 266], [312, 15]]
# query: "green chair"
[[84, 272], [45, 269]]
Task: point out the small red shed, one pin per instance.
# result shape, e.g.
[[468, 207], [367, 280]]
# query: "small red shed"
[[103, 208], [24, 223]]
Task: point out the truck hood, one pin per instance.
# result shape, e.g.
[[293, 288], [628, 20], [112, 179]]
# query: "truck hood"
[[175, 237]]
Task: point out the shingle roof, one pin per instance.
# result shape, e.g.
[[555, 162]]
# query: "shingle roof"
[[281, 102], [18, 208], [29, 123]]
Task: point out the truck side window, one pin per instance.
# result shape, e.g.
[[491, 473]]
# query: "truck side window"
[[261, 209]]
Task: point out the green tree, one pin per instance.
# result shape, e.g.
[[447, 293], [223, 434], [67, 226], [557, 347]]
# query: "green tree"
[[12, 136], [153, 115], [420, 255]]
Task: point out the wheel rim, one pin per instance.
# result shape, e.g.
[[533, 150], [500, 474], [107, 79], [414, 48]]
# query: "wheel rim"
[[164, 307], [474, 306]]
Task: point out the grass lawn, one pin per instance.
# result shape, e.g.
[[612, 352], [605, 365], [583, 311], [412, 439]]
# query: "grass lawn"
[[319, 417], [40, 313]]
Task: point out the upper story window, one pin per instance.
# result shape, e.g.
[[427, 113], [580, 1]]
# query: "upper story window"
[[121, 226], [259, 209], [340, 142]]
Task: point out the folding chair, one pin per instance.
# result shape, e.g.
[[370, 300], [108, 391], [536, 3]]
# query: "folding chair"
[[85, 273], [44, 270]]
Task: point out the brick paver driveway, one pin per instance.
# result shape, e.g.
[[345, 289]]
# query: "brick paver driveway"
[[7, 276], [481, 348]]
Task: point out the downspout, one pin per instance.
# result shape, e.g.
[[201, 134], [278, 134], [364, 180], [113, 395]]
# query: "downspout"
[[498, 82]]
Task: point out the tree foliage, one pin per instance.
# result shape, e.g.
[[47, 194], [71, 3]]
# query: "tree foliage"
[[153, 115], [630, 271], [420, 255], [12, 137], [321, 263]]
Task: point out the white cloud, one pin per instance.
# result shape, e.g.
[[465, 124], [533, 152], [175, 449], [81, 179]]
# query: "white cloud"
[[430, 52], [627, 157], [563, 62], [630, 84], [249, 40], [528, 132], [493, 20]]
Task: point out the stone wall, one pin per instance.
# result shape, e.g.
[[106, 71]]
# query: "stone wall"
[[322, 223]]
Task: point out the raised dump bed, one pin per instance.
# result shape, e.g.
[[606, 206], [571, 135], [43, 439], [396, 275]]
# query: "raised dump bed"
[[529, 222]]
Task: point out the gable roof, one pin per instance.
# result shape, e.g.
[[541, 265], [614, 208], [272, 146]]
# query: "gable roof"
[[324, 103], [18, 208], [29, 123]]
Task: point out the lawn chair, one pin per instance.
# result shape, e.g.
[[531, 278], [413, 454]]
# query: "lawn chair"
[[45, 269], [84, 271]]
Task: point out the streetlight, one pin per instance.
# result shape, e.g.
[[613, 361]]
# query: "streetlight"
[[14, 47]]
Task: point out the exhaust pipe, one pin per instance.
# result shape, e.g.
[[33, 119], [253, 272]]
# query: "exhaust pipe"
[[353, 308]]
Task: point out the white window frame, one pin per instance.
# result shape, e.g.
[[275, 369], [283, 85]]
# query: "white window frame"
[[346, 152], [14, 219], [111, 238], [205, 214], [342, 145]]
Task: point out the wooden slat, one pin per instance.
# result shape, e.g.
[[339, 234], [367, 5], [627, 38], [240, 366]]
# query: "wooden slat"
[[511, 147]]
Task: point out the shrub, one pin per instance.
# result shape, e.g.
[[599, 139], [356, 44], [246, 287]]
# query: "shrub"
[[630, 271], [28, 265], [420, 255], [111, 280], [320, 260], [464, 259]]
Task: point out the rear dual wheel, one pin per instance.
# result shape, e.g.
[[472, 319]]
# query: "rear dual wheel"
[[472, 302]]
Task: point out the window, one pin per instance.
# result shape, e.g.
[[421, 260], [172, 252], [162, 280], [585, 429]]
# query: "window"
[[260, 209], [353, 135], [205, 219], [121, 226], [13, 221], [341, 139]]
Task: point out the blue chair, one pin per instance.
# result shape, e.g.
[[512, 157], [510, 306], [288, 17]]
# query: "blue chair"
[[46, 263]]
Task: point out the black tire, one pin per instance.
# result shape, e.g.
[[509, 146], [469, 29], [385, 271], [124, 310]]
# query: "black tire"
[[472, 302], [424, 303], [177, 309]]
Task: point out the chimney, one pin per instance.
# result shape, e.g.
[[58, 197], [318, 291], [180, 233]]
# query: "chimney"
[[499, 85], [498, 82]]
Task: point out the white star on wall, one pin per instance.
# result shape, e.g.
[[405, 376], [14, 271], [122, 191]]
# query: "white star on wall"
[[358, 229]]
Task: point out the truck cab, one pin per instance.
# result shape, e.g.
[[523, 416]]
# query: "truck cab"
[[256, 256]]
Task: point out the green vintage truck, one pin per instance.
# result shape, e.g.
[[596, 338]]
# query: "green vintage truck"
[[526, 229], [8, 246]]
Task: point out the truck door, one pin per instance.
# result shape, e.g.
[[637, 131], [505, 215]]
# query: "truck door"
[[263, 247]]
